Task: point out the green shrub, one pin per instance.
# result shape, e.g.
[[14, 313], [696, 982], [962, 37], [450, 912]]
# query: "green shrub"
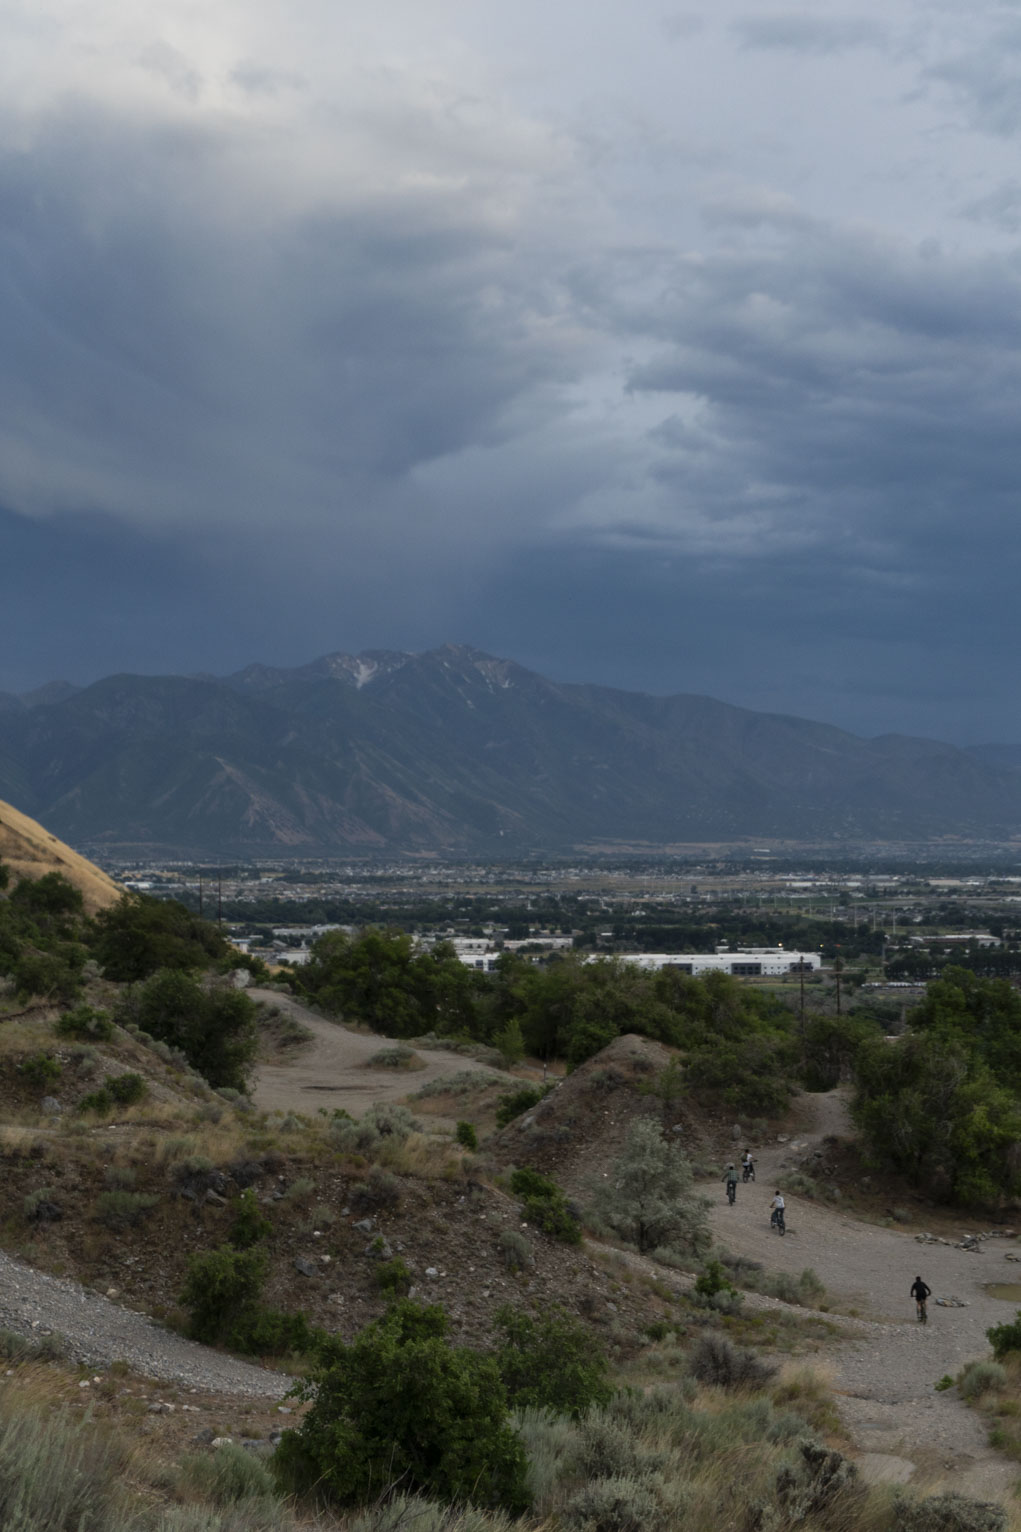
[[125, 1089], [116, 1090], [220, 1285], [712, 1281], [393, 1278], [85, 1021], [250, 1225], [1006, 1337], [551, 1362], [512, 1103], [400, 1405], [40, 1070], [467, 1136], [544, 1205], [262, 1331]]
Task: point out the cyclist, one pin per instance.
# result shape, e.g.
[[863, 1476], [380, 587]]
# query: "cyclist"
[[747, 1166], [919, 1293], [777, 1216], [730, 1176]]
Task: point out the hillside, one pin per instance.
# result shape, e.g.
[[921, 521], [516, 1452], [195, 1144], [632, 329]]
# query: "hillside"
[[30, 851], [457, 752]]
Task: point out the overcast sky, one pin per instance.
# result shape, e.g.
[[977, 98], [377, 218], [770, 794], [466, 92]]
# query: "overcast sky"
[[675, 349]]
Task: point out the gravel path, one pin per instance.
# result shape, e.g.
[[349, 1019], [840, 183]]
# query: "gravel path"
[[885, 1380], [98, 1332], [334, 1071]]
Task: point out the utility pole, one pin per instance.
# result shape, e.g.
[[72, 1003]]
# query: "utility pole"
[[219, 897], [200, 893]]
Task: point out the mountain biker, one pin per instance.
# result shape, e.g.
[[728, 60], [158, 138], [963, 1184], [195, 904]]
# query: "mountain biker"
[[919, 1293], [747, 1166], [777, 1216], [730, 1177]]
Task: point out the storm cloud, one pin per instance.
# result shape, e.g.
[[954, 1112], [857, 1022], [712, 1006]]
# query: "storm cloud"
[[675, 350]]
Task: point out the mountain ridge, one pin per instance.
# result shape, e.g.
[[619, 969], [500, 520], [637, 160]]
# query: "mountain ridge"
[[456, 751]]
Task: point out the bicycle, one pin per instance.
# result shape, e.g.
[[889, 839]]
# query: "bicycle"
[[777, 1221], [748, 1172], [923, 1317], [732, 1192]]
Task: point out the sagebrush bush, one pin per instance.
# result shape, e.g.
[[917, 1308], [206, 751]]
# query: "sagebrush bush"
[[122, 1209], [380, 1190], [713, 1359], [228, 1475], [515, 1250], [619, 1504], [981, 1378], [949, 1512], [85, 1495]]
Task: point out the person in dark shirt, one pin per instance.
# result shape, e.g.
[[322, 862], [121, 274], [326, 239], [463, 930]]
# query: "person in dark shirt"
[[919, 1293]]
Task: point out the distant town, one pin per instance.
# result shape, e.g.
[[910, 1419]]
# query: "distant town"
[[761, 917]]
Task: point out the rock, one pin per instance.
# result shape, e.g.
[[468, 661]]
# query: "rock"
[[379, 1250], [432, 1273], [256, 1446], [364, 1225], [222, 1441], [736, 1131], [304, 1267], [215, 1198], [50, 1106], [204, 1438]]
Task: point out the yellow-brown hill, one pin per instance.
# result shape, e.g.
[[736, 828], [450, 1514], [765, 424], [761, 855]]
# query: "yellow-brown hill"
[[30, 852]]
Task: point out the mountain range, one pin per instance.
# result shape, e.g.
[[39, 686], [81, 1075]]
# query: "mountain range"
[[454, 752]]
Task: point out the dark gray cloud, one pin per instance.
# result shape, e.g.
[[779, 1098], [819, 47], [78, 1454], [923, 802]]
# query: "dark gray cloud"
[[665, 355], [801, 32]]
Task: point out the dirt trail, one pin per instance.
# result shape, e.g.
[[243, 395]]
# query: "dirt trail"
[[333, 1069], [885, 1380]]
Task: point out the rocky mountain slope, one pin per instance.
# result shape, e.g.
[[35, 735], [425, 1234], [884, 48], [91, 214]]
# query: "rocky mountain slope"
[[454, 751]]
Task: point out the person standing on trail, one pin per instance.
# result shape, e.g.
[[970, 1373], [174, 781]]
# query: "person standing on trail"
[[730, 1178], [919, 1293]]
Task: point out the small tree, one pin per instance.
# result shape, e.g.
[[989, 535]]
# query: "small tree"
[[650, 1199], [400, 1405]]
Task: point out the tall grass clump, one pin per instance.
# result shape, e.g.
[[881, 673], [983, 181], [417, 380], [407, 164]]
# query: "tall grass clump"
[[56, 1477]]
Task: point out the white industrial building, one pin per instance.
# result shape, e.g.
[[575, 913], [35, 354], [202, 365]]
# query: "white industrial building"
[[747, 963]]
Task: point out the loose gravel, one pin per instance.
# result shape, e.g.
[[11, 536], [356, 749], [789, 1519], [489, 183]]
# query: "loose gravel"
[[96, 1332]]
